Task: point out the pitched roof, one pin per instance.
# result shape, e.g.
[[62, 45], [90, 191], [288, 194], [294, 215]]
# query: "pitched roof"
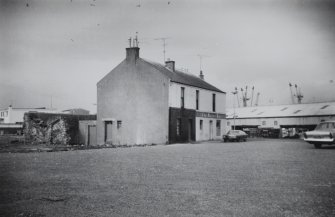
[[295, 110], [182, 77]]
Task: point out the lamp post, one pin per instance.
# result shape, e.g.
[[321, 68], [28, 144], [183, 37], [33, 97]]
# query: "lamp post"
[[234, 93]]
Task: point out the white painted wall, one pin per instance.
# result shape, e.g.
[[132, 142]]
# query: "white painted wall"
[[205, 98], [204, 133]]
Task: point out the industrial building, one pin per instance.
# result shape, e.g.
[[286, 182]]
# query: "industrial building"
[[143, 102], [287, 119]]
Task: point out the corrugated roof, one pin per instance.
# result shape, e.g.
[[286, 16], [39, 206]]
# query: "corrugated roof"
[[182, 77], [295, 110]]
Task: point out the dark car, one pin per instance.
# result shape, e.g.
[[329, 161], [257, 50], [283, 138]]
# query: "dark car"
[[323, 134], [235, 135]]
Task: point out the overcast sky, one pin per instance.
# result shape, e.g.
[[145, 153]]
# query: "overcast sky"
[[62, 48]]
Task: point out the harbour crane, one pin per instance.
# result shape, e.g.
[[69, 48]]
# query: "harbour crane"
[[292, 95], [238, 100], [252, 95], [298, 94], [257, 98]]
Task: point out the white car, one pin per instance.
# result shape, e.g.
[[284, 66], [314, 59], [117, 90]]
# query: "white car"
[[323, 134]]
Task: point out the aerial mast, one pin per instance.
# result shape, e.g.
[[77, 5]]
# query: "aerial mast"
[[163, 39]]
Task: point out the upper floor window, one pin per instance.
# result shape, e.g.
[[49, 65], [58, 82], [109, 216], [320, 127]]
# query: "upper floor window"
[[214, 103], [197, 100], [275, 123], [119, 124], [263, 122], [182, 97]]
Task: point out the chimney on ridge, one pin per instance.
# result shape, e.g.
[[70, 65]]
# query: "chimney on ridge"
[[170, 65], [201, 75], [132, 52]]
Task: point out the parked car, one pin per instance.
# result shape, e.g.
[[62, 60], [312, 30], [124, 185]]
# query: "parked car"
[[235, 135], [323, 134]]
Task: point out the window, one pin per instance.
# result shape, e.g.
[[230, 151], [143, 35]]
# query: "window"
[[182, 96], [201, 124], [178, 126], [323, 107], [263, 122], [119, 124], [218, 127], [197, 100], [296, 111], [213, 102], [228, 123], [275, 123]]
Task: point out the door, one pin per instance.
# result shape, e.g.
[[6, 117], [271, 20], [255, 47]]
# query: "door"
[[210, 130], [108, 131], [190, 127], [92, 135]]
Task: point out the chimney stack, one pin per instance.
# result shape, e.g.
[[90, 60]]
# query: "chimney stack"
[[201, 75], [170, 65], [132, 52]]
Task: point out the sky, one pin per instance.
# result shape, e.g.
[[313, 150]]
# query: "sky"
[[53, 52]]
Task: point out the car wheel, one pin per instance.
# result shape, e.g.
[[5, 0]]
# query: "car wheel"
[[317, 146]]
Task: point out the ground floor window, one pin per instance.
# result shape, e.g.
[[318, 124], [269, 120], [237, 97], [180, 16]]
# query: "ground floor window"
[[201, 124], [218, 127]]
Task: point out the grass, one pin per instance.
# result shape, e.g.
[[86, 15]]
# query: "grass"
[[256, 178]]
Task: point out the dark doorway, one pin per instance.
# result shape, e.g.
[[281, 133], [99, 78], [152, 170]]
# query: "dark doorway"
[[190, 129]]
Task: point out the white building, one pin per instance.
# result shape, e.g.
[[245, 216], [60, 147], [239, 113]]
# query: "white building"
[[11, 119], [143, 102], [13, 115]]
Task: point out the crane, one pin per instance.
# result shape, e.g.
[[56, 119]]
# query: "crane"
[[298, 94], [257, 98], [238, 101], [292, 95], [252, 95]]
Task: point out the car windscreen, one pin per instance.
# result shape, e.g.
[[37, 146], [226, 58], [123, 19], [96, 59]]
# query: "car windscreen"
[[234, 132]]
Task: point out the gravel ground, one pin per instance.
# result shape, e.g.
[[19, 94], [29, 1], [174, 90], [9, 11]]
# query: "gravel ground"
[[254, 178]]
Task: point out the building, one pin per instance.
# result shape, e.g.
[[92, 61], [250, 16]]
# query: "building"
[[294, 118], [143, 102], [11, 119]]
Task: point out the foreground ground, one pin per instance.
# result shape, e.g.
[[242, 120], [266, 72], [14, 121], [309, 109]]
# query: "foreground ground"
[[255, 178]]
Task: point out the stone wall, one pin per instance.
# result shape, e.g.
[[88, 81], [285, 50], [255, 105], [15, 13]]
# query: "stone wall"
[[53, 129]]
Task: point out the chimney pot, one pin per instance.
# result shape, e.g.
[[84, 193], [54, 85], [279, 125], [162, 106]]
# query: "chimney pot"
[[170, 64], [201, 75]]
